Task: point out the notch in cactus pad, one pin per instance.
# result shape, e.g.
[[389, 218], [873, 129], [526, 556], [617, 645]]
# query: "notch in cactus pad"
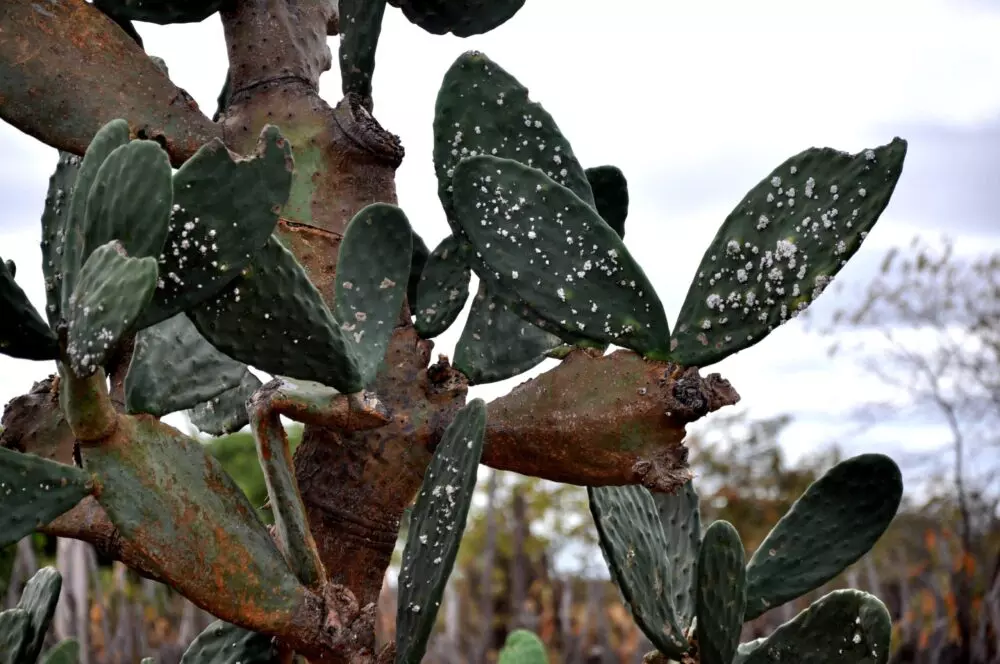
[[23, 333], [225, 643], [721, 593], [635, 547], [541, 242], [443, 287], [523, 647], [783, 244], [34, 491], [610, 195], [436, 526], [462, 18], [835, 522]]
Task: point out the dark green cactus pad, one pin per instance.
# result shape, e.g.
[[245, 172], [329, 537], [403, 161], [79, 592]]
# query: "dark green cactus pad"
[[225, 643], [483, 110], [15, 636], [23, 333], [443, 288], [8, 556], [418, 259], [721, 593], [360, 27], [610, 195], [39, 599], [680, 517], [634, 544], [226, 412], [162, 12], [174, 368], [273, 318], [66, 651], [462, 18], [851, 505], [74, 241], [54, 219], [373, 269], [496, 344], [541, 242], [844, 627], [110, 293], [436, 526], [34, 491], [225, 210], [778, 250], [523, 647]]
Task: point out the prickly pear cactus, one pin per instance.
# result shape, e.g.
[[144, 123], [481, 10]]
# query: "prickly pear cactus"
[[66, 651], [360, 27], [225, 643], [226, 412], [523, 647], [721, 593], [39, 599], [443, 288], [680, 517], [610, 195], [23, 333], [160, 11], [462, 18]]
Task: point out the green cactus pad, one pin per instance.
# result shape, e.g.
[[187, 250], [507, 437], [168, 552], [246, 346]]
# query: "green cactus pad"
[[851, 505], [373, 269], [443, 288], [360, 27], [225, 643], [225, 210], [634, 544], [23, 333], [778, 250], [39, 599], [462, 18], [34, 491], [483, 110], [174, 368], [844, 627], [496, 344], [66, 651], [15, 636], [523, 647], [436, 526], [226, 412], [543, 243], [163, 12], [74, 254], [54, 219], [680, 517], [721, 593], [273, 318], [610, 195], [418, 259], [110, 293]]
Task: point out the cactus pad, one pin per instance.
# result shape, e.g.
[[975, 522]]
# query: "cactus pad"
[[66, 651], [373, 269], [39, 599], [634, 544], [721, 593], [360, 27], [844, 627], [443, 287], [109, 296], [273, 318], [34, 491], [436, 526], [610, 195], [523, 647], [462, 18], [225, 210], [15, 635], [174, 368], [23, 333], [680, 517], [778, 250], [225, 643], [542, 242], [417, 261], [496, 344], [852, 505], [162, 12], [54, 219], [226, 412]]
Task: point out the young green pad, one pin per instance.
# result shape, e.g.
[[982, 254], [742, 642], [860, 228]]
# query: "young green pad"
[[462, 18], [39, 599], [610, 195], [721, 593], [66, 651], [173, 368], [54, 219], [23, 333], [844, 627], [225, 210], [634, 544], [225, 643], [373, 269], [273, 318], [110, 293], [162, 12], [436, 526], [33, 491], [523, 647], [778, 250], [15, 635], [496, 344], [443, 287], [835, 522], [226, 412], [543, 243], [680, 517], [360, 27]]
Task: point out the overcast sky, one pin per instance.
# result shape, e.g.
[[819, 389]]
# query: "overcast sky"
[[695, 102]]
